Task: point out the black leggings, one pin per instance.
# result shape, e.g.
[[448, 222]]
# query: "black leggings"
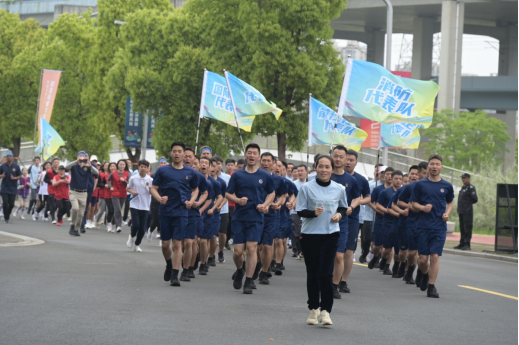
[[63, 208], [32, 204], [51, 206], [42, 204], [155, 217], [110, 210], [126, 207]]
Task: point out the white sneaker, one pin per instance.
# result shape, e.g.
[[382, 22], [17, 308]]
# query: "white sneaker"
[[22, 217], [14, 214], [324, 318], [45, 219], [354, 260], [96, 225], [137, 249], [69, 219], [158, 235], [313, 317], [124, 223], [34, 217], [118, 229], [149, 236], [370, 257], [108, 227], [230, 241], [160, 243], [130, 241], [54, 221]]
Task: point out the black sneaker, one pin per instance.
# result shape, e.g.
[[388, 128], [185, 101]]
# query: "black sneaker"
[[269, 275], [396, 267], [465, 247], [372, 263], [190, 273], [257, 270], [432, 292], [247, 287], [184, 277], [362, 259], [167, 274], [197, 261], [459, 246], [253, 285], [294, 255], [377, 262], [174, 281], [425, 282], [272, 266], [211, 262], [278, 271], [409, 274], [411, 282], [401, 270], [221, 258], [202, 270], [336, 294], [263, 279], [82, 230], [238, 280], [343, 287], [387, 271], [282, 267], [234, 275], [73, 232], [382, 264], [419, 276], [227, 246]]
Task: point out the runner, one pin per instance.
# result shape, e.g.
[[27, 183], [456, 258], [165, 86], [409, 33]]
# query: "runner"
[[346, 224], [230, 166], [178, 186], [94, 198], [219, 187], [432, 197], [139, 187], [118, 181], [252, 190], [10, 174], [34, 170], [103, 194], [206, 152], [296, 220], [322, 203], [367, 215], [240, 164], [155, 224], [49, 176], [24, 189], [43, 194], [80, 171], [61, 183], [224, 209]]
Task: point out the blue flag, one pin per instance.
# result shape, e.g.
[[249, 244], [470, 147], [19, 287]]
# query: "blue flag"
[[50, 140]]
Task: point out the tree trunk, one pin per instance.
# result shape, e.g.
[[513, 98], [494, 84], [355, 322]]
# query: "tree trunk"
[[17, 144], [134, 157], [282, 146]]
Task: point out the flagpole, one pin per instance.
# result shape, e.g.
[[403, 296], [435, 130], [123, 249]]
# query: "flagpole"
[[36, 121], [202, 101], [342, 99], [309, 128], [234, 110], [389, 34]]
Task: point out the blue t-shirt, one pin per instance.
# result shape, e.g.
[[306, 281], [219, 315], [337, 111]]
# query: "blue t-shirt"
[[438, 194], [254, 186], [153, 200], [401, 219], [385, 200], [394, 222], [202, 187], [210, 193], [376, 192], [177, 185], [363, 186], [407, 191], [291, 190], [352, 191], [219, 189], [10, 186], [281, 190]]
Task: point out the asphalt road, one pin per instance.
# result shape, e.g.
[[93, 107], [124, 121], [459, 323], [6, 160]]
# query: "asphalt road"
[[94, 290]]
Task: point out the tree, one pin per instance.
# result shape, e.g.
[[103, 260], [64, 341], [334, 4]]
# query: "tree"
[[20, 43], [66, 48], [163, 73], [283, 48], [466, 140]]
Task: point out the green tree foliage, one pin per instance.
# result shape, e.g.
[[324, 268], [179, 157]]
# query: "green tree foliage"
[[466, 140], [283, 48], [20, 43], [67, 48]]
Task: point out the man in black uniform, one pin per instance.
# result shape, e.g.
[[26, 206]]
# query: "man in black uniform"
[[467, 198]]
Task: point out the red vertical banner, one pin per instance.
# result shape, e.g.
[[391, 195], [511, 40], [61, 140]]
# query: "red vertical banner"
[[49, 88], [372, 128]]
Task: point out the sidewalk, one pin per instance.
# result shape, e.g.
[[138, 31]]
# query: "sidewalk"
[[480, 239], [8, 239]]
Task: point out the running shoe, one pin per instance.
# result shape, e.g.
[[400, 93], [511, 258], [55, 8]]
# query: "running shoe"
[[202, 270], [167, 274], [21, 216], [137, 249], [325, 319], [336, 294], [108, 227], [129, 243], [247, 288], [263, 279], [149, 236], [343, 287], [158, 235], [313, 317], [174, 281], [59, 223], [34, 218], [227, 246], [118, 229], [424, 284], [238, 280], [432, 292], [221, 259]]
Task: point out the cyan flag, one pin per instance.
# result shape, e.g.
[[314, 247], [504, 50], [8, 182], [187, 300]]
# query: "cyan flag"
[[400, 135], [216, 102], [321, 125], [378, 95], [50, 140], [247, 100]]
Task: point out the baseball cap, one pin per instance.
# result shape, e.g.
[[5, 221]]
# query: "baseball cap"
[[94, 158], [61, 167], [465, 175]]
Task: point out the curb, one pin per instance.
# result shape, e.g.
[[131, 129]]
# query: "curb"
[[481, 255], [27, 241]]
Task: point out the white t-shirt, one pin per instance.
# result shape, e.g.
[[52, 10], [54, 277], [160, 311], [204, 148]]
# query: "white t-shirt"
[[43, 185], [225, 207], [298, 186], [142, 186]]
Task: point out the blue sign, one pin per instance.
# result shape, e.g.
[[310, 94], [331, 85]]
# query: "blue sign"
[[151, 127], [132, 126]]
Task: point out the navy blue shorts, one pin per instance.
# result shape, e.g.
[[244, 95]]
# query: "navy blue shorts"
[[378, 238], [391, 242], [217, 218], [192, 226], [289, 229], [208, 227], [246, 231], [343, 235], [200, 227], [387, 239], [402, 238], [431, 241], [172, 228], [282, 228], [353, 233], [270, 228], [412, 239]]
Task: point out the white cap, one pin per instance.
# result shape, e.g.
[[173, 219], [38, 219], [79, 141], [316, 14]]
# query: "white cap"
[[93, 158], [382, 168]]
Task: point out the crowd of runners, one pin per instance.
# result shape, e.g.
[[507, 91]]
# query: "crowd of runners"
[[198, 205]]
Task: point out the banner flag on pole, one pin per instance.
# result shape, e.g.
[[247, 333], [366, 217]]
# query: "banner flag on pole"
[[378, 95], [49, 87], [248, 100], [50, 141], [151, 128], [132, 126], [395, 135], [216, 102], [321, 124]]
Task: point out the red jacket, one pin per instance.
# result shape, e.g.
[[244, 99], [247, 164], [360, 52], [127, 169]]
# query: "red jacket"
[[61, 191], [119, 186], [50, 175]]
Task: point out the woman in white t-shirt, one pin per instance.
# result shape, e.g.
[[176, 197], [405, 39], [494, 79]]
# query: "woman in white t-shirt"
[[43, 193]]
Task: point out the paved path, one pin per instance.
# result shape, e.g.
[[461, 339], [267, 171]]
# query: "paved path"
[[94, 290], [481, 239]]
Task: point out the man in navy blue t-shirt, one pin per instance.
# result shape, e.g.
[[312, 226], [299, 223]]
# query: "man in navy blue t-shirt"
[[178, 185], [252, 189], [219, 189], [433, 197], [10, 173], [349, 182]]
